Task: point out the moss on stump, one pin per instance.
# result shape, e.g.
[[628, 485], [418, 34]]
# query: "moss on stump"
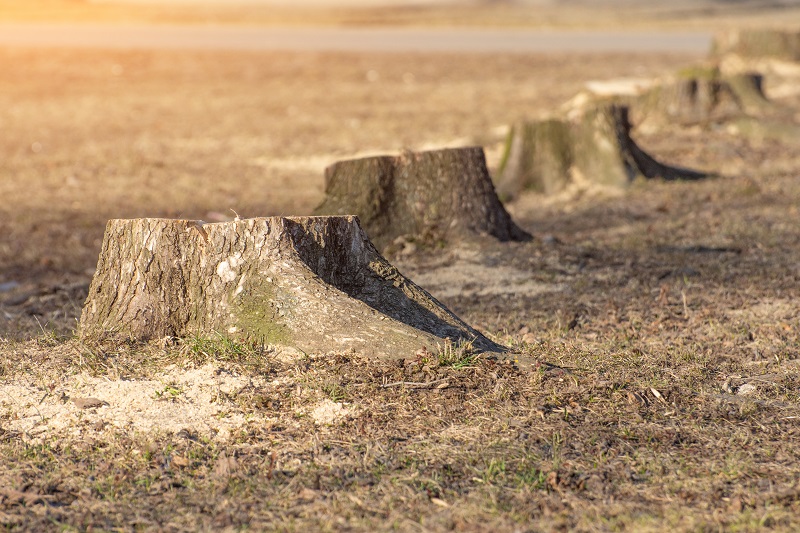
[[546, 156]]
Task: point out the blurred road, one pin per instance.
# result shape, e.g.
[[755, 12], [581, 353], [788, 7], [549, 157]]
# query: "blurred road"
[[348, 39]]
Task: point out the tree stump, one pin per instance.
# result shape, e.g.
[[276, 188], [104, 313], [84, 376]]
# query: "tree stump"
[[758, 44], [546, 156], [701, 96], [551, 142], [433, 197], [312, 283]]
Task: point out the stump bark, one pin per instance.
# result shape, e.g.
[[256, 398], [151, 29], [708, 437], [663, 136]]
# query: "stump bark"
[[698, 96], [312, 283], [546, 156], [431, 197], [758, 44], [538, 157]]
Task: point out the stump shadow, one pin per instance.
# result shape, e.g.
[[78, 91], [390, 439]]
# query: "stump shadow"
[[350, 262]]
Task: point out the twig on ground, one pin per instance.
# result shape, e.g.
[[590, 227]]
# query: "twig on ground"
[[438, 383]]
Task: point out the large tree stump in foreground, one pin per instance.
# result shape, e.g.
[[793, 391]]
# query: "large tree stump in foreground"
[[434, 196], [313, 283], [597, 147]]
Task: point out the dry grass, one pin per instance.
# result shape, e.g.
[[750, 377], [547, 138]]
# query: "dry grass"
[[585, 445], [655, 388], [580, 442]]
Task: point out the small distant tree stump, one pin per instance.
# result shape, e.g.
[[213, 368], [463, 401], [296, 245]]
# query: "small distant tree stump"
[[703, 95], [434, 196], [546, 156], [313, 283], [758, 44]]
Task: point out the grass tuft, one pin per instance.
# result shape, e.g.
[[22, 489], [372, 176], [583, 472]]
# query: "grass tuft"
[[458, 355]]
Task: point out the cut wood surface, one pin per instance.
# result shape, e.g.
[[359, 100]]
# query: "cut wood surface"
[[316, 284], [430, 197], [596, 147]]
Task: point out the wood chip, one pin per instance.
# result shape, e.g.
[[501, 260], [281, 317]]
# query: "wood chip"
[[224, 466], [657, 394], [355, 500], [179, 461], [307, 495], [88, 403], [552, 479], [746, 390], [440, 502], [637, 398]]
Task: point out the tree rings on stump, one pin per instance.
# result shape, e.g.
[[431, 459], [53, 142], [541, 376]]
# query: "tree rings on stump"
[[434, 196], [597, 147], [316, 284]]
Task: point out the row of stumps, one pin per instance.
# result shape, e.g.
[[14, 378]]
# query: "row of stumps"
[[314, 284], [319, 284]]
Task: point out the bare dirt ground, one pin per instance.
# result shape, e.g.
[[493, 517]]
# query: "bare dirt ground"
[[655, 330]]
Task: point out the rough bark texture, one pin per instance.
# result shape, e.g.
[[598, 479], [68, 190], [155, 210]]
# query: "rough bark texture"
[[546, 156], [313, 283], [435, 196], [758, 43]]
